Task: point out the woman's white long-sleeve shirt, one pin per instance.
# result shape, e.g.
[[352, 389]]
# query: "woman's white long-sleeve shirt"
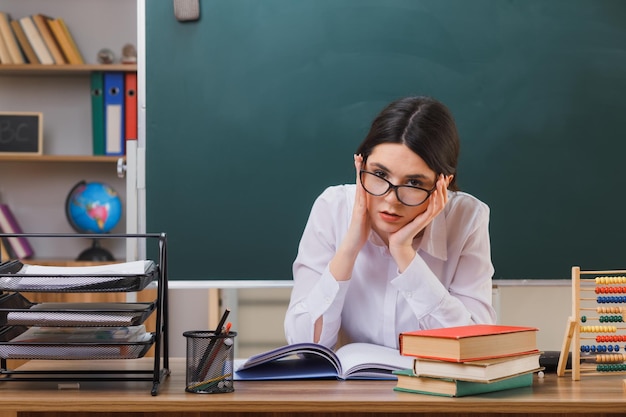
[[447, 284]]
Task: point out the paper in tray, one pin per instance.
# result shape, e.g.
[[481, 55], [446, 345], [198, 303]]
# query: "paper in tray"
[[95, 350], [15, 309], [126, 276]]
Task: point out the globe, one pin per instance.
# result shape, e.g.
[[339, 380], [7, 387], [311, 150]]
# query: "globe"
[[93, 207]]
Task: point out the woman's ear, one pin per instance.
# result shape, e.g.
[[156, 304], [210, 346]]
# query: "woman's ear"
[[449, 179]]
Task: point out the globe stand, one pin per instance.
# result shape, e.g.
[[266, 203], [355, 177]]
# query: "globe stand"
[[95, 253]]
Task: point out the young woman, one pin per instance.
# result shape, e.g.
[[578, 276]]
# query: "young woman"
[[400, 250]]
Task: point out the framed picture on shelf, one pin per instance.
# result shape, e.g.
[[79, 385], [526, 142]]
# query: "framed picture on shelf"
[[21, 133]]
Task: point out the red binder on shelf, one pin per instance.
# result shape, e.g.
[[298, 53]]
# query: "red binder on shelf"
[[130, 105], [8, 224], [114, 133]]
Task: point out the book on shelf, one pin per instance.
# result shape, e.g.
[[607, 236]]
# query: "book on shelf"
[[314, 361], [20, 246], [5, 56], [41, 21], [448, 387], [65, 40], [25, 46], [36, 40], [472, 342], [485, 370], [71, 39], [9, 39]]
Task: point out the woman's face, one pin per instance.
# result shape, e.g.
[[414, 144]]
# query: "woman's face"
[[400, 166]]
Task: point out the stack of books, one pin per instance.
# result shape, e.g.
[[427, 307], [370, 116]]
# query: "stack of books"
[[37, 39], [468, 360]]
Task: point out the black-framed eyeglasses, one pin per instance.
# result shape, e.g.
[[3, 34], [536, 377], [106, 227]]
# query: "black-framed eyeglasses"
[[406, 194]]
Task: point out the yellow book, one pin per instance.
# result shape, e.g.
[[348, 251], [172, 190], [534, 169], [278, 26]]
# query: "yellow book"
[[9, 39], [5, 56], [65, 41], [79, 56], [36, 41]]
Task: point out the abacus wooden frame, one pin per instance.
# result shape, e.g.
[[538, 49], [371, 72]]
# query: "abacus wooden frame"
[[571, 341]]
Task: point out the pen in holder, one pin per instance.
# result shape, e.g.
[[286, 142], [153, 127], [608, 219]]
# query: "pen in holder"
[[210, 358]]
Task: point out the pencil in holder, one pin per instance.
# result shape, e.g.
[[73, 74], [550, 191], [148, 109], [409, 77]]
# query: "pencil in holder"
[[210, 357]]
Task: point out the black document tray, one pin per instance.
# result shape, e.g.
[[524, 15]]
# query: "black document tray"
[[16, 310], [12, 281], [95, 350]]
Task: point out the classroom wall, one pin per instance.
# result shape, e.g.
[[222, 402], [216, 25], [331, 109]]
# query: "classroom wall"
[[259, 314]]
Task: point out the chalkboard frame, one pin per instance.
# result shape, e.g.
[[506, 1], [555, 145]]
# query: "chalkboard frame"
[[34, 138]]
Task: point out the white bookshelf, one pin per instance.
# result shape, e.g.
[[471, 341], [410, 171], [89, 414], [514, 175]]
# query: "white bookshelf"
[[36, 188]]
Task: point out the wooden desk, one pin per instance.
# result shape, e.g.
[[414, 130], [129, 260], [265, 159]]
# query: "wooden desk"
[[594, 396]]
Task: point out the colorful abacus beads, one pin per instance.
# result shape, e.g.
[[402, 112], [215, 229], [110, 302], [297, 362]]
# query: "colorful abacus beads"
[[611, 280], [610, 338], [611, 319], [599, 348], [598, 329], [618, 367], [611, 363], [610, 290], [609, 310], [609, 299], [613, 358]]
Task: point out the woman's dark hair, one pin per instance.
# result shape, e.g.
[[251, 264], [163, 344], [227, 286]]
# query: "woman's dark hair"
[[425, 126]]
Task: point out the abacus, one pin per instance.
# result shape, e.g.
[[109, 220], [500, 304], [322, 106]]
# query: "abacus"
[[596, 332]]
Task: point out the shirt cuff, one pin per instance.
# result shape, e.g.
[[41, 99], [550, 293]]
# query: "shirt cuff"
[[419, 286], [327, 297]]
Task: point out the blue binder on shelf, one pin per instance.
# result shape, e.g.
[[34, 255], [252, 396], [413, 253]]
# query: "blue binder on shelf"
[[114, 113]]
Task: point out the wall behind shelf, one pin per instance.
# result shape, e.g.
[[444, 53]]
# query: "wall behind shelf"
[[36, 191]]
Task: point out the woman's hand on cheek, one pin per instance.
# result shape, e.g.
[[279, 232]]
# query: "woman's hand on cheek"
[[359, 229], [401, 242], [342, 263]]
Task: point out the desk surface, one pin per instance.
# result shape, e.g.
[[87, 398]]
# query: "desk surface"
[[594, 395]]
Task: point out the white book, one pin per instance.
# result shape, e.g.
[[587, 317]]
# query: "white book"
[[485, 370], [311, 360], [36, 41]]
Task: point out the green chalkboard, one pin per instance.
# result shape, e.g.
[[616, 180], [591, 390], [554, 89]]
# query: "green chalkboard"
[[257, 107]]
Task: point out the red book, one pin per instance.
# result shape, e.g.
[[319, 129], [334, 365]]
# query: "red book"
[[8, 224], [130, 105], [468, 343]]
